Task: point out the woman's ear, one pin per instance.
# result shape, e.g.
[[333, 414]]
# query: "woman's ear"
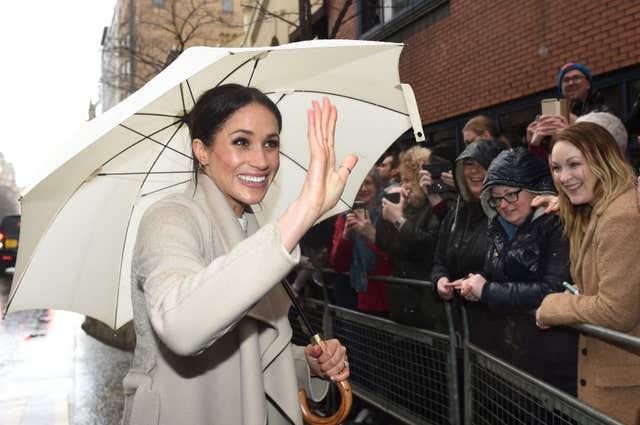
[[201, 151]]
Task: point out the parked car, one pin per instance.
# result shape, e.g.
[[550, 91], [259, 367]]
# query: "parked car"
[[9, 235]]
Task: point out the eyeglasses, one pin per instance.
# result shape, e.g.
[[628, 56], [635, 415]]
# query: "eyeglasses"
[[572, 79], [509, 197]]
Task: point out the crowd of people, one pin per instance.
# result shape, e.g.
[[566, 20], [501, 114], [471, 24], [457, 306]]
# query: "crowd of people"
[[515, 225], [503, 229]]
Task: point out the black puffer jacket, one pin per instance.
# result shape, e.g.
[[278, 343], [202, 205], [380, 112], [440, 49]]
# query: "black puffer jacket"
[[462, 244], [522, 270], [520, 273]]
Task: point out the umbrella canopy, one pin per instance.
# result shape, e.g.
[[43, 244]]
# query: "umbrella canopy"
[[80, 222]]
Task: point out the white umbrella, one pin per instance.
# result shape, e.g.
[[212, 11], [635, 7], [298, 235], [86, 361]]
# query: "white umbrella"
[[80, 222]]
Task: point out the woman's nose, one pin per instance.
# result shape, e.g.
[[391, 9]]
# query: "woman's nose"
[[258, 158]]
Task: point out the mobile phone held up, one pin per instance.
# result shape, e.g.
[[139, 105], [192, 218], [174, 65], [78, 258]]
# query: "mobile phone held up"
[[359, 208], [556, 107], [393, 197]]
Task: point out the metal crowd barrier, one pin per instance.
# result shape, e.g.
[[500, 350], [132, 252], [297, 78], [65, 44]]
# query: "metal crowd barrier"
[[412, 374]]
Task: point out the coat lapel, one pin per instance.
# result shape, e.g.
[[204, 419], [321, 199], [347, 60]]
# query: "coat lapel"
[[219, 211]]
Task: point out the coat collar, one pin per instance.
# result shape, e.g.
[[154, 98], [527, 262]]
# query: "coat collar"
[[218, 211]]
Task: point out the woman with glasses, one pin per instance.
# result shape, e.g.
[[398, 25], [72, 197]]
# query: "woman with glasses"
[[526, 259]]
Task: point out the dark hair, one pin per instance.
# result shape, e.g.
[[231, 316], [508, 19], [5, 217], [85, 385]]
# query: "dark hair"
[[395, 160], [215, 106]]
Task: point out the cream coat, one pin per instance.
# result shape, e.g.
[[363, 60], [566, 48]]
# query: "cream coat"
[[213, 337], [607, 273]]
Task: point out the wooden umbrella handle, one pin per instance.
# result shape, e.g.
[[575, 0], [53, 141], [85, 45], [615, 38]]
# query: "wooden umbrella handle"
[[344, 387], [346, 400]]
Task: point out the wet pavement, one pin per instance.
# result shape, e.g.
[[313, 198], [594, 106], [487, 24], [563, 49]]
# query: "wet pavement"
[[51, 372]]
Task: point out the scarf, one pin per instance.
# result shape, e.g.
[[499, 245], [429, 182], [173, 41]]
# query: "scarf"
[[363, 259]]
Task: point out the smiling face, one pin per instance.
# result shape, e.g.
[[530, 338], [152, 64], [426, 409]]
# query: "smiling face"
[[244, 156], [367, 192], [515, 212], [572, 173], [474, 174], [575, 85]]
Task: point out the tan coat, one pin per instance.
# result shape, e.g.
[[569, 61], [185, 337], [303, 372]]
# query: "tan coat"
[[607, 273], [213, 336]]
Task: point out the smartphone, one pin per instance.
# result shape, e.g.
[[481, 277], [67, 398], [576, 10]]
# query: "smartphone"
[[359, 208], [393, 197], [553, 106]]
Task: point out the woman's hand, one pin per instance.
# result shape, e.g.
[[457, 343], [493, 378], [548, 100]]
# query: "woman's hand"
[[471, 288], [550, 202], [447, 178], [425, 183], [349, 226], [445, 288], [364, 226], [538, 322], [329, 364], [324, 183]]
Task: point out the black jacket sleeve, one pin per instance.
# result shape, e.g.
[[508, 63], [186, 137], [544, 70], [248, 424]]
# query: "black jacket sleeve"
[[533, 269]]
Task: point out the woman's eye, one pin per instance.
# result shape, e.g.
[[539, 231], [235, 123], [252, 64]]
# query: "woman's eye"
[[574, 164], [273, 143], [555, 168], [241, 141]]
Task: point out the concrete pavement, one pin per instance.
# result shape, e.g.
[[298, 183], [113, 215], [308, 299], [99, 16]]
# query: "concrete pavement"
[[51, 372]]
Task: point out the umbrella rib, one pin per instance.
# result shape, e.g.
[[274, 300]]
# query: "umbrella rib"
[[133, 173], [253, 71], [342, 96], [237, 68], [165, 188], [193, 98], [145, 137], [165, 146]]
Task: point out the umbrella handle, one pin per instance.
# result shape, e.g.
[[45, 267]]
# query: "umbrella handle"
[[344, 387], [346, 400]]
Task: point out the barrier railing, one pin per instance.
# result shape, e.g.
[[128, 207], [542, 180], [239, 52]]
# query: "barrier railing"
[[412, 373]]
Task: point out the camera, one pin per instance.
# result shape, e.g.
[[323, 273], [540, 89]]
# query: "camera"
[[393, 197]]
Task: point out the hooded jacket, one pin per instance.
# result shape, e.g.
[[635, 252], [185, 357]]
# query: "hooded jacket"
[[462, 242], [520, 271]]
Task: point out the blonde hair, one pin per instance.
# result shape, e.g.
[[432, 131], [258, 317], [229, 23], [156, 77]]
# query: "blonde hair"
[[481, 123], [614, 175], [412, 159]]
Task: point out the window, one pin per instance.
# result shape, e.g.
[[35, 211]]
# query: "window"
[[513, 124], [613, 98], [227, 6], [158, 3]]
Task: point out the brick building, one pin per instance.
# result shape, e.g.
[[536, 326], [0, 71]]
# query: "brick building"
[[146, 35], [464, 57]]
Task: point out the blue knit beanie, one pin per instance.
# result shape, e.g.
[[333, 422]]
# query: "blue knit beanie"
[[569, 67]]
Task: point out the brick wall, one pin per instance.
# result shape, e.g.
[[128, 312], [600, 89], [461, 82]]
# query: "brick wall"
[[489, 51]]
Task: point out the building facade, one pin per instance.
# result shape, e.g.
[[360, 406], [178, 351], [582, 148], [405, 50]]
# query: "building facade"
[[500, 58], [147, 35]]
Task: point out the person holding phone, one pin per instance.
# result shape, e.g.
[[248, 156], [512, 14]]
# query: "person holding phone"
[[354, 250], [408, 231]]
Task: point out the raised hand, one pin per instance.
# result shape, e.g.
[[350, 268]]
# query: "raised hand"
[[324, 182]]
